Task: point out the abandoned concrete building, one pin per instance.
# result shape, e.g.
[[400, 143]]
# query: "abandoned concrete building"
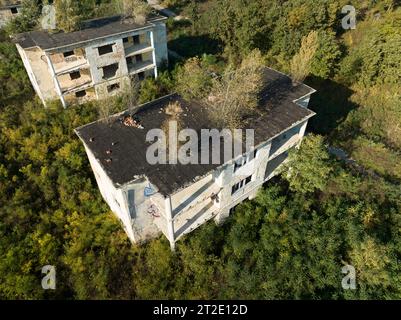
[[95, 62], [8, 10], [175, 199]]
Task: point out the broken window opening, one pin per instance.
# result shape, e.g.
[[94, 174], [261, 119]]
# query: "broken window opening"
[[105, 49], [236, 187], [68, 53], [80, 94], [138, 58], [110, 71], [113, 87], [129, 61], [75, 75]]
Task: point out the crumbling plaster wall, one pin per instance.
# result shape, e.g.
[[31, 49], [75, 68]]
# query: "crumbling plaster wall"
[[114, 197], [35, 63]]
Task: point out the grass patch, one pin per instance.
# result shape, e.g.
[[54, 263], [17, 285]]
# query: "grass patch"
[[378, 157]]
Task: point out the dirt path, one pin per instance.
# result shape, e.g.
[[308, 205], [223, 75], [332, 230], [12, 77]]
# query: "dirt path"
[[163, 10], [342, 155]]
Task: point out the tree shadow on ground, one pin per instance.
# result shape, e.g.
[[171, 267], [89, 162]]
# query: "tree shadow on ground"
[[191, 46], [331, 103]]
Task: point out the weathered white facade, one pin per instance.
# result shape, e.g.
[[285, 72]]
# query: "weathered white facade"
[[9, 10], [145, 212], [77, 71], [212, 197]]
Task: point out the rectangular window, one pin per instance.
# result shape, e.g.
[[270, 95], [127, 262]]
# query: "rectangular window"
[[105, 49], [110, 71], [80, 94], [136, 40], [239, 163], [125, 40], [138, 58], [131, 203], [141, 76], [75, 75], [255, 153], [14, 10], [68, 53], [129, 61], [113, 87], [236, 187]]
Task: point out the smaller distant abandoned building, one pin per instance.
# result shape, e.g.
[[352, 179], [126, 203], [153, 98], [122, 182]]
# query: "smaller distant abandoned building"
[[94, 62], [8, 10], [176, 199]]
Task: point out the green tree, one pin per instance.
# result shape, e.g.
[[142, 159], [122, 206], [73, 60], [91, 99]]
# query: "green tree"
[[69, 13], [14, 82], [301, 63], [27, 20], [307, 168], [193, 79], [374, 57], [239, 25], [327, 55], [235, 94]]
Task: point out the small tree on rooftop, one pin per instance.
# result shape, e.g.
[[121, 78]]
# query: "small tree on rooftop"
[[67, 15], [137, 10], [173, 113], [236, 93], [301, 62], [130, 94]]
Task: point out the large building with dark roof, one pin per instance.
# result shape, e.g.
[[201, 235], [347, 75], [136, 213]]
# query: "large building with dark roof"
[[174, 199], [97, 61]]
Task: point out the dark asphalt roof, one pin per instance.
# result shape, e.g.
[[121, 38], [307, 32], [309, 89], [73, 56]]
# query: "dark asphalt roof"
[[129, 149], [91, 30]]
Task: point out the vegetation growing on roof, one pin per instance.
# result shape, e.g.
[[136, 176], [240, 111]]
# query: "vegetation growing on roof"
[[288, 243]]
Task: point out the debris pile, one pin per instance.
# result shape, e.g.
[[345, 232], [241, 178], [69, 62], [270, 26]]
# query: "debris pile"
[[130, 121]]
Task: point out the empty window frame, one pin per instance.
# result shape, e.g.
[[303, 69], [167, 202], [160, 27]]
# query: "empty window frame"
[[141, 76], [255, 153], [14, 10], [126, 40], [244, 160], [80, 94], [75, 75], [138, 58], [129, 61], [136, 39], [105, 49], [110, 71], [238, 186], [235, 187], [68, 53], [113, 87], [241, 162], [131, 203]]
